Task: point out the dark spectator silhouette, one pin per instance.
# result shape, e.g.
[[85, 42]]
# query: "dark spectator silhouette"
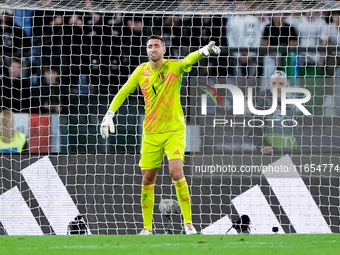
[[11, 36], [49, 96], [15, 91]]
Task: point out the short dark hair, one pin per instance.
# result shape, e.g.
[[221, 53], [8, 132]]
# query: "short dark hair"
[[15, 60], [52, 68], [156, 37], [335, 13]]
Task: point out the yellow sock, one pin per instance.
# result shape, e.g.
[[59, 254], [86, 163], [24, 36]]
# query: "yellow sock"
[[148, 201], [183, 196]]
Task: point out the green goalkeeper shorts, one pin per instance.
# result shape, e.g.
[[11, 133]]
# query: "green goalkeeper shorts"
[[155, 145]]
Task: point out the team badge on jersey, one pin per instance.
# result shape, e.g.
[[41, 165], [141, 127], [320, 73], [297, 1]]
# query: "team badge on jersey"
[[161, 76]]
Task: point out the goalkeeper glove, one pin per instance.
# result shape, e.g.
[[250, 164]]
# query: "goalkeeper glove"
[[207, 49], [107, 123]]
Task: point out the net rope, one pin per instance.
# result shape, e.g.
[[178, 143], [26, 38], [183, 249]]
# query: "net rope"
[[178, 7]]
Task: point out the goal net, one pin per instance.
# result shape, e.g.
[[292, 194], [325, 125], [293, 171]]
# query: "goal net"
[[252, 149]]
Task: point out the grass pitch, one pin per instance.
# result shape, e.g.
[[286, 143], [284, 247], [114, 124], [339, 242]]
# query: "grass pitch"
[[171, 244]]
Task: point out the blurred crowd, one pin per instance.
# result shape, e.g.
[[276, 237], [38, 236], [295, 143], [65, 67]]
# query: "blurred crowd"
[[53, 60]]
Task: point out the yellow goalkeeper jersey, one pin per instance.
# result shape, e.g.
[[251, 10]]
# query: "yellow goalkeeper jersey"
[[161, 89]]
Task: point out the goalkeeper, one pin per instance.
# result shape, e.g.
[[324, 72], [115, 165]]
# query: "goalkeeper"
[[164, 125]]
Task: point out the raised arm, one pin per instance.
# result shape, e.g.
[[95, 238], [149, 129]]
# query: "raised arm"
[[196, 56]]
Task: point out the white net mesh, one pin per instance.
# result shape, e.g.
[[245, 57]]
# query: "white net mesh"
[[185, 6], [63, 61]]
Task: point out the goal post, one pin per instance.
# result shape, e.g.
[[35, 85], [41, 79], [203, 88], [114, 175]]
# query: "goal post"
[[271, 154]]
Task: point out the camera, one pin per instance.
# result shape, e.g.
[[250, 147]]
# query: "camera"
[[241, 225], [77, 227]]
